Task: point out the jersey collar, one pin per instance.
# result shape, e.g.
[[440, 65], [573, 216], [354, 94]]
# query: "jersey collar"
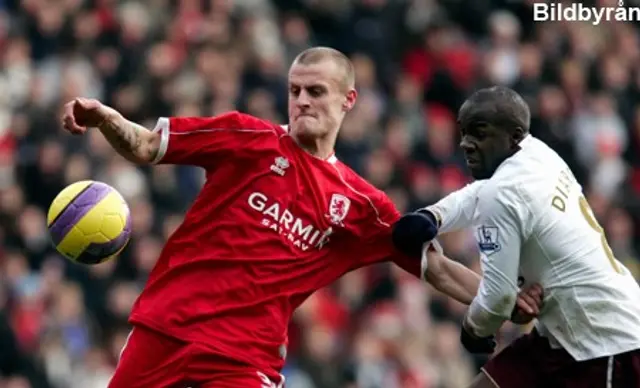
[[526, 141], [332, 159], [524, 144]]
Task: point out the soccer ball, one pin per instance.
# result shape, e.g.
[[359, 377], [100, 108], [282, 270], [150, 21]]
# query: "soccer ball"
[[89, 222]]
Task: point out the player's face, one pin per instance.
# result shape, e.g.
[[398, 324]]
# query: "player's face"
[[318, 99], [485, 147]]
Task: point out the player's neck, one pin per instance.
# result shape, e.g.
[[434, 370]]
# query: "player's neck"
[[321, 148]]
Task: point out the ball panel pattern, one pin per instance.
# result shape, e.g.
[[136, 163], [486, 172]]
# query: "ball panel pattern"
[[76, 209], [99, 252], [89, 222], [63, 199]]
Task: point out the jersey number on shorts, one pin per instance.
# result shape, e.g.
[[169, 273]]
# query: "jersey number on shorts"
[[591, 220]]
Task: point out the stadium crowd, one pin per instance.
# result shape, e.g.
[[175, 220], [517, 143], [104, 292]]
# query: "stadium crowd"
[[63, 325]]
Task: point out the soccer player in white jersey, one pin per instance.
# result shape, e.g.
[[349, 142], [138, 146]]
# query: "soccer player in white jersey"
[[533, 224]]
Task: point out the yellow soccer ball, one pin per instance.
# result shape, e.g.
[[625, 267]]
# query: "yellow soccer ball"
[[89, 222]]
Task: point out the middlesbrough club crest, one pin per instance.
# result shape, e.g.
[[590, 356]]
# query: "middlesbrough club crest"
[[338, 208]]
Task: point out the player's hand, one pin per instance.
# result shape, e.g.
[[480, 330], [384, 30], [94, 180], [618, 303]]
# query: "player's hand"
[[528, 304], [83, 113], [477, 345], [412, 230]]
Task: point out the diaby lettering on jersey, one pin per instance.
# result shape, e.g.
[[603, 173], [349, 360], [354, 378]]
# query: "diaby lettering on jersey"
[[281, 220]]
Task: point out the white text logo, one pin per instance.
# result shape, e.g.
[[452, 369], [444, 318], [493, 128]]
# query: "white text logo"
[[572, 12], [302, 235]]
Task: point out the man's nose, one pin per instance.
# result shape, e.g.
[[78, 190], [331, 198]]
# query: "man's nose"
[[465, 144], [303, 99]]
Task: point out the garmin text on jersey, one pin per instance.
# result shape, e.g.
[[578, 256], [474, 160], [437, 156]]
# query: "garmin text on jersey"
[[301, 234]]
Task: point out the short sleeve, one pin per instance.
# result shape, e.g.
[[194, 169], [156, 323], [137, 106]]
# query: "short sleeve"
[[202, 141]]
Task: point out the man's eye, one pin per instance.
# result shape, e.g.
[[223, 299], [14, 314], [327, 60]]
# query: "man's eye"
[[476, 133]]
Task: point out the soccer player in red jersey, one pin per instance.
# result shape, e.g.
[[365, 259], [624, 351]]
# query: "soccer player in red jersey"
[[278, 218]]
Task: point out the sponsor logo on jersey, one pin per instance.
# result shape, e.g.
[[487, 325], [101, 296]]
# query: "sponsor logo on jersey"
[[279, 165], [267, 383], [300, 233], [338, 209], [487, 238]]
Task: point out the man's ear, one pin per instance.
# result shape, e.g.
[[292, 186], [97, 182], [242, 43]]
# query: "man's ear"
[[517, 135], [350, 100]]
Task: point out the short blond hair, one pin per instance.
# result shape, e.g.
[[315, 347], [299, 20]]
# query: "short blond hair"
[[314, 55]]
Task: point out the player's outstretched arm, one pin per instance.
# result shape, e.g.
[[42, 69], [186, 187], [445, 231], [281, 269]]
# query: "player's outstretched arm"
[[456, 210], [453, 212], [504, 222], [462, 284], [134, 142], [451, 278]]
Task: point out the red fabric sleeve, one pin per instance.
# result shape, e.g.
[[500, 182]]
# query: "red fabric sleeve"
[[377, 246], [202, 141]]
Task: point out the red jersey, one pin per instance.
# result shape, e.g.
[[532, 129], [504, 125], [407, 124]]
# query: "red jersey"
[[271, 225]]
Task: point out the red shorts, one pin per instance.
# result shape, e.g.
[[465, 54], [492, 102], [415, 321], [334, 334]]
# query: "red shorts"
[[530, 362], [153, 360]]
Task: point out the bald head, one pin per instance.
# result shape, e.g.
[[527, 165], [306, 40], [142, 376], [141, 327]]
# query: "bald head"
[[316, 55], [321, 92], [499, 106]]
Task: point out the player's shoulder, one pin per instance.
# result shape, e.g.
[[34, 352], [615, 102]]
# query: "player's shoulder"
[[514, 189], [506, 187], [525, 172], [247, 122], [236, 121], [355, 181], [365, 191]]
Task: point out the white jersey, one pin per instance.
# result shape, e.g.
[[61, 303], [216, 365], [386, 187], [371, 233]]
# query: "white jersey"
[[533, 224]]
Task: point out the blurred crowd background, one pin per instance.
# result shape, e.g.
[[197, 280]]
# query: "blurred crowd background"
[[63, 325]]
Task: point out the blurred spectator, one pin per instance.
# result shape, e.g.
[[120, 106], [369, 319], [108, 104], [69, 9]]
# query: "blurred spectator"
[[63, 325]]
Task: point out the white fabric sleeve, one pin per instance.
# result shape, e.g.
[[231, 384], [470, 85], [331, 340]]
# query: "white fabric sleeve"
[[456, 210], [162, 126], [500, 233]]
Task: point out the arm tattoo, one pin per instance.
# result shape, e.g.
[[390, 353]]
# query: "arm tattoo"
[[126, 138]]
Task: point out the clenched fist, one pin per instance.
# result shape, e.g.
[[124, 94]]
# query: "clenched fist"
[[83, 113], [529, 303]]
